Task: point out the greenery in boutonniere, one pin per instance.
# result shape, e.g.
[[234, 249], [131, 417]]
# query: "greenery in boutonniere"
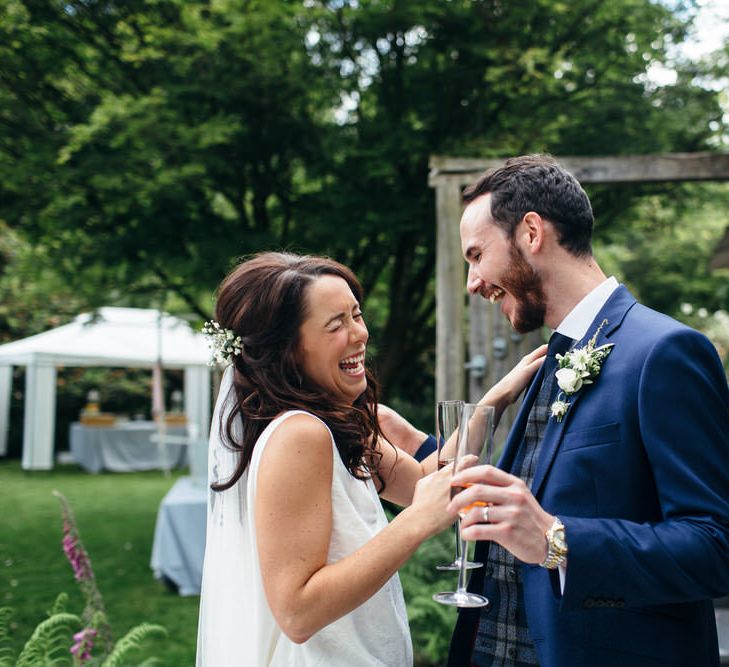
[[577, 368], [54, 643]]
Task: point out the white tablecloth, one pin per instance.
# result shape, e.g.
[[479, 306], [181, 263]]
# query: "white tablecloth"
[[179, 535], [125, 447]]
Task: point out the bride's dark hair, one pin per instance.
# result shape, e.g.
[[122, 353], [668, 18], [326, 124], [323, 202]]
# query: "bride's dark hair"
[[263, 300]]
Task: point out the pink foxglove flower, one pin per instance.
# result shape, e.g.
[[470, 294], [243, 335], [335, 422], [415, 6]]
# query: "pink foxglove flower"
[[83, 643], [94, 615]]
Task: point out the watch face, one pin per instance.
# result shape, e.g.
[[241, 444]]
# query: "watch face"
[[559, 540]]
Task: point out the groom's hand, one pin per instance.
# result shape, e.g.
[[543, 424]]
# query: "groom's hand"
[[398, 430], [516, 520]]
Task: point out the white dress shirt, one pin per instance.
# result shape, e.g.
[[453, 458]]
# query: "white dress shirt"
[[582, 315]]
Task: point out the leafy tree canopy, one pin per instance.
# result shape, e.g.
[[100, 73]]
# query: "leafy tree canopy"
[[144, 146]]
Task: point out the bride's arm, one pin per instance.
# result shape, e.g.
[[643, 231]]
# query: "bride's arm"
[[294, 523], [401, 472]]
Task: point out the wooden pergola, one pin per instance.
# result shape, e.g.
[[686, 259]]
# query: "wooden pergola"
[[494, 348]]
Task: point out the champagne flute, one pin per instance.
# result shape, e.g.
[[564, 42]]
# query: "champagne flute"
[[447, 418], [474, 446]]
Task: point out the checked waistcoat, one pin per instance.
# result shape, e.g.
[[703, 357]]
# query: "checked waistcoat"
[[502, 638]]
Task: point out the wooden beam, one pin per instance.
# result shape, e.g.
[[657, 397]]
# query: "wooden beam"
[[666, 168]]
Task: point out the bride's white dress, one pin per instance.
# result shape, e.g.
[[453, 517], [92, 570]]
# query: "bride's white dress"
[[236, 627]]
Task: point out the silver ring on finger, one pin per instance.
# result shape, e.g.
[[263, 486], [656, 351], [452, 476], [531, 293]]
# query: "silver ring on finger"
[[485, 514]]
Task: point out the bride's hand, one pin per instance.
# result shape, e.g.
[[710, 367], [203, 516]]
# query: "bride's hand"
[[432, 496], [510, 387]]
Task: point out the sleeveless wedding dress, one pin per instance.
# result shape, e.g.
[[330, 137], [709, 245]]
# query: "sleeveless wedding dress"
[[236, 626]]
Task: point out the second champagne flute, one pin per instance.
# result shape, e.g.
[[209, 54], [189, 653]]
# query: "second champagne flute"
[[447, 419], [474, 446]]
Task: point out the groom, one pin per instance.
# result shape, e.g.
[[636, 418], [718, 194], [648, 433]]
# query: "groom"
[[606, 530]]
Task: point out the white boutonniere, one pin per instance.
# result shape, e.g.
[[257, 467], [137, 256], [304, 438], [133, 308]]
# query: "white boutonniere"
[[577, 368]]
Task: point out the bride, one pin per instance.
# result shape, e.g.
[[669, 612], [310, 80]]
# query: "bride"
[[300, 562]]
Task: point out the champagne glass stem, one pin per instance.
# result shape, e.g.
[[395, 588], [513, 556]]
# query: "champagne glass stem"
[[462, 569], [457, 531]]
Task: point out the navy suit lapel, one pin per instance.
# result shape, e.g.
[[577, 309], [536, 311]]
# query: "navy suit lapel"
[[614, 310]]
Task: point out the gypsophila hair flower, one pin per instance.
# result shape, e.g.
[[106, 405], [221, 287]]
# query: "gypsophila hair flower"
[[577, 368], [223, 343]]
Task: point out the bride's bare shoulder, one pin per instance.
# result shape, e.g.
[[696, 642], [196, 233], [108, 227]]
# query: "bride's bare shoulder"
[[300, 434]]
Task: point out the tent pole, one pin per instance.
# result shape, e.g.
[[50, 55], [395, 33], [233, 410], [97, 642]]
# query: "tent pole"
[[6, 387], [40, 416]]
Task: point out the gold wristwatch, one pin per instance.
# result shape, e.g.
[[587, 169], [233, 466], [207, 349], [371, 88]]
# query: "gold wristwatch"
[[556, 546]]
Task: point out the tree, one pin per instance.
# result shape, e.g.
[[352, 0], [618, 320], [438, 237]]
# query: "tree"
[[161, 139], [145, 146], [483, 78]]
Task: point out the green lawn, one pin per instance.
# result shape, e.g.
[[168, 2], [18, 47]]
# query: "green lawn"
[[115, 515]]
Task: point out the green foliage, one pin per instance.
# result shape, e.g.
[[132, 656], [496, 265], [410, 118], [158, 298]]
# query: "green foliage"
[[117, 514], [49, 644], [431, 624], [145, 146], [32, 298], [663, 244], [132, 642], [6, 653]]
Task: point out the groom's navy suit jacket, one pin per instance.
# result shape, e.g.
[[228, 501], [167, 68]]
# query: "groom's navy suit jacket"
[[638, 471]]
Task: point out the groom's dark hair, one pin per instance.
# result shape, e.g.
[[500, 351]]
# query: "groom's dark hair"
[[538, 183]]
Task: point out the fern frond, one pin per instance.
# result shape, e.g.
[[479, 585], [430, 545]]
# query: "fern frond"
[[50, 643], [6, 614], [6, 657], [131, 642], [149, 662], [6, 653], [59, 606]]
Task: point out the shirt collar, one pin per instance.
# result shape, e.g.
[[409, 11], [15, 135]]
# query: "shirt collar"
[[578, 320]]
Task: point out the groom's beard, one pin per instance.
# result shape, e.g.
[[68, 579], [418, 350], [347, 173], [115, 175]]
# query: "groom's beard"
[[525, 286]]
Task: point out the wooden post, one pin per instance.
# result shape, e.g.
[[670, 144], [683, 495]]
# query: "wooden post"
[[450, 282], [478, 345]]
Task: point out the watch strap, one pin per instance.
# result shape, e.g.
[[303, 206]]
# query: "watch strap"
[[556, 551]]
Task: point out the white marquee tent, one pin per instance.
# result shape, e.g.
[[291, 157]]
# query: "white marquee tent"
[[120, 337]]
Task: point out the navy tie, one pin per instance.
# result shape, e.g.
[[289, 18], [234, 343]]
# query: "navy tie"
[[558, 344]]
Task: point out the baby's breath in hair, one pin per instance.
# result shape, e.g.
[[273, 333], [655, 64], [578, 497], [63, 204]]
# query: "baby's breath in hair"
[[223, 343]]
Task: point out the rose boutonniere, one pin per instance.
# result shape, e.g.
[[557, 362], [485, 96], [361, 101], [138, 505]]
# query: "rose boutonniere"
[[577, 368]]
